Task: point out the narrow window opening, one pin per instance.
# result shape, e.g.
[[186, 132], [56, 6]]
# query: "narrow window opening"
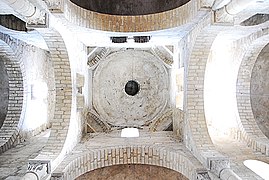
[[130, 132]]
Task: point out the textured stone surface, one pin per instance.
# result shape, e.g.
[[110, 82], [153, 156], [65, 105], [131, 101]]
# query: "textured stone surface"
[[3, 92], [37, 83], [110, 99], [63, 93], [249, 130], [260, 91], [9, 134], [243, 153], [132, 172], [13, 163], [194, 41], [140, 23], [102, 150]]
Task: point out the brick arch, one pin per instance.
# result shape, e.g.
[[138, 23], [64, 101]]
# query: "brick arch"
[[21, 49], [139, 23], [9, 132], [151, 155], [56, 144], [248, 128], [196, 134]]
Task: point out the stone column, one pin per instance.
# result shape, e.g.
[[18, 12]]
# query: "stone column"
[[228, 174], [37, 169], [23, 7], [203, 175], [221, 168], [235, 6], [30, 176], [219, 4], [225, 14], [34, 16]]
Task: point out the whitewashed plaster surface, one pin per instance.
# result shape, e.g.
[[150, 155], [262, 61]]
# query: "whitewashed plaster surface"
[[110, 99]]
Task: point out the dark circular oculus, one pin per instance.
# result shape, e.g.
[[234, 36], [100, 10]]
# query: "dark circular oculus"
[[132, 88]]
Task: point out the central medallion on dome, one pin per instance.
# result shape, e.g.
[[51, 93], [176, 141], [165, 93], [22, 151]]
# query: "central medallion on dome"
[[132, 88]]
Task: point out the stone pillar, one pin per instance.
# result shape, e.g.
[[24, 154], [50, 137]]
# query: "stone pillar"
[[23, 7], [235, 6], [30, 176], [228, 174], [226, 14], [34, 16], [221, 168], [219, 4], [203, 175], [37, 169]]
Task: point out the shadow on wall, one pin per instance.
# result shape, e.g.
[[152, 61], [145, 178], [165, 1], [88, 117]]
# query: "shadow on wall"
[[3, 92]]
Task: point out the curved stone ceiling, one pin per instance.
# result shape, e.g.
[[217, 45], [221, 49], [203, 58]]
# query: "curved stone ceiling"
[[3, 92], [260, 90], [132, 171], [111, 101], [128, 7]]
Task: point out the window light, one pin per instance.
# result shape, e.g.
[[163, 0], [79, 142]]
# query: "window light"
[[129, 132]]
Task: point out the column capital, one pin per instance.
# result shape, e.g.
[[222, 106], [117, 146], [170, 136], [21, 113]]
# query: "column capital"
[[218, 164], [54, 5], [40, 168], [203, 176], [40, 20]]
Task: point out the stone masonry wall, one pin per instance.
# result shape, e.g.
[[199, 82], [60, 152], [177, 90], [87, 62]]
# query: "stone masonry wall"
[[3, 92], [260, 91], [132, 171], [196, 134], [249, 130], [38, 66], [152, 22], [63, 96], [9, 133], [101, 150]]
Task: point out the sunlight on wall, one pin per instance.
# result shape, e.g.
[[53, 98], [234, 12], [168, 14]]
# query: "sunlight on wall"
[[36, 114], [180, 90], [77, 59], [259, 167], [219, 90]]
